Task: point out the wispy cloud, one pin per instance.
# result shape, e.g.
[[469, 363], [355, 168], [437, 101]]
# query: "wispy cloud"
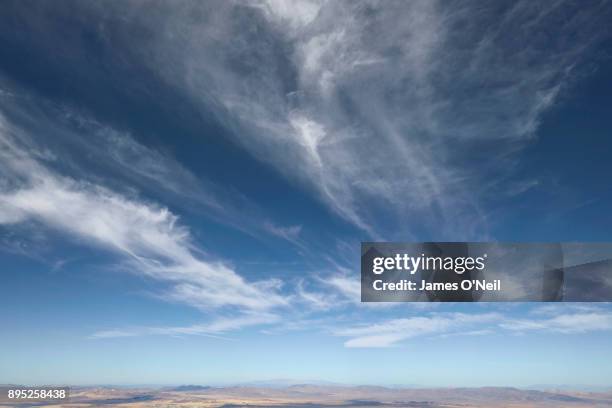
[[214, 329], [315, 299], [349, 287], [569, 319], [289, 233], [150, 238], [406, 111], [390, 332], [564, 323], [117, 158]]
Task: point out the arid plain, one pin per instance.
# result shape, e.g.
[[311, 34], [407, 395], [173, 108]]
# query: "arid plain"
[[315, 396]]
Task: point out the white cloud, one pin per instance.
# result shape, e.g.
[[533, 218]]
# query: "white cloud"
[[349, 287], [297, 14], [317, 300], [212, 329], [288, 233], [381, 109], [564, 323], [566, 319], [390, 332], [125, 162], [150, 238], [120, 154]]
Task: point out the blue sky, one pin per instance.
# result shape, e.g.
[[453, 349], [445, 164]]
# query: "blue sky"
[[184, 187]]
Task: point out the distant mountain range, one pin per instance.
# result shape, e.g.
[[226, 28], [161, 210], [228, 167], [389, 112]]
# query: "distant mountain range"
[[190, 388]]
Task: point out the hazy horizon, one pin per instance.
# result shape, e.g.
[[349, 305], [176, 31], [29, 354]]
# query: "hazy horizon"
[[285, 383]]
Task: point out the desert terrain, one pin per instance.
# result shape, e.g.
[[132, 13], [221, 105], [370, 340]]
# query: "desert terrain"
[[315, 396]]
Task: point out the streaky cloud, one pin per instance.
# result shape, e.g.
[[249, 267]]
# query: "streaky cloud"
[[149, 237], [408, 111], [214, 329]]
